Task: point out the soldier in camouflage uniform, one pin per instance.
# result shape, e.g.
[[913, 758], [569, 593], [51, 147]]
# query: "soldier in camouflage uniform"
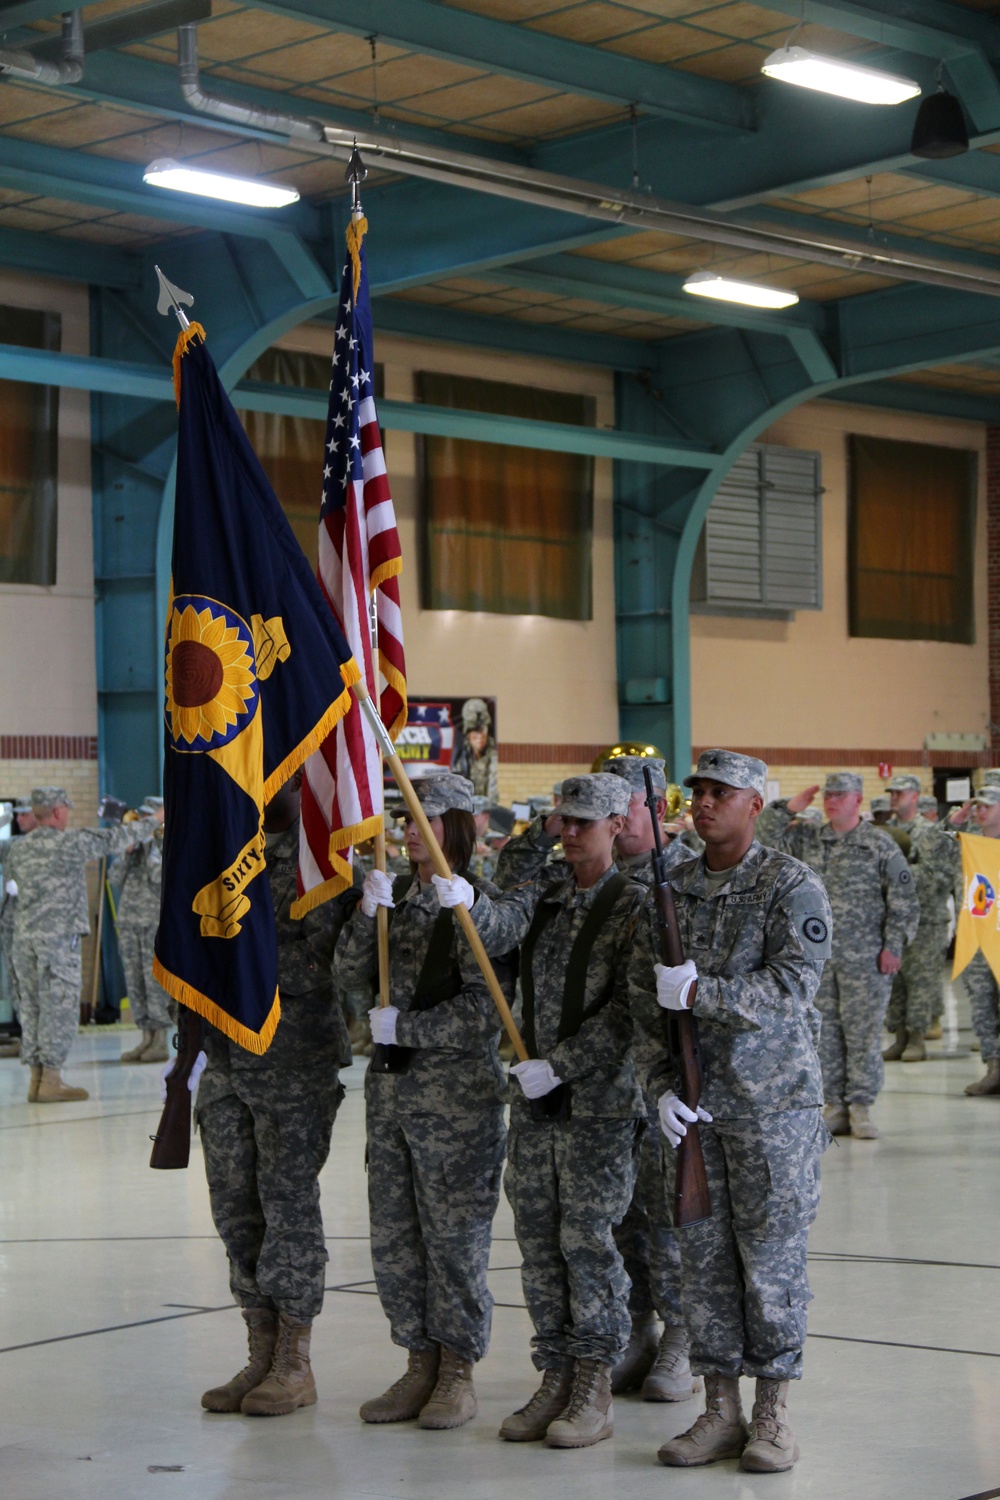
[[936, 864], [475, 755], [23, 822], [755, 926], [266, 1123], [436, 1134], [577, 1115], [138, 918], [929, 808], [48, 869], [875, 914], [978, 978]]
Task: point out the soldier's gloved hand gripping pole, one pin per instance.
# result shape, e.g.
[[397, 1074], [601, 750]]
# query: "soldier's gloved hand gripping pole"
[[440, 864], [692, 1202]]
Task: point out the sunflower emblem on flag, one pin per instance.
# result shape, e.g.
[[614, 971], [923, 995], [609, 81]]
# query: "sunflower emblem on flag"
[[211, 677]]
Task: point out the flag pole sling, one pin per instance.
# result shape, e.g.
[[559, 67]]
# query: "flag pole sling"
[[381, 912], [441, 865]]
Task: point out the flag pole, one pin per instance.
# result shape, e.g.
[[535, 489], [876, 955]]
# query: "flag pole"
[[440, 864]]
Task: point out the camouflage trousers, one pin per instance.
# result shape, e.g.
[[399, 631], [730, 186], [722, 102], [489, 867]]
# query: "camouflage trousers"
[[569, 1183], [49, 976], [917, 988], [265, 1138], [744, 1282], [148, 1001], [984, 999], [852, 1003], [433, 1189], [7, 953], [645, 1239]]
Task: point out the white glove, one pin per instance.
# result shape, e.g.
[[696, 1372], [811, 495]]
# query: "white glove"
[[535, 1077], [454, 892], [672, 985], [675, 1118], [200, 1063], [11, 887], [950, 909], [376, 892], [382, 1019]]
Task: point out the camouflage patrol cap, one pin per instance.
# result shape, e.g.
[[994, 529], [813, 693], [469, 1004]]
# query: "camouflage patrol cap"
[[45, 798], [502, 820], [557, 789], [150, 804], [927, 804], [595, 796], [904, 783], [475, 714], [629, 768], [22, 807], [480, 804], [441, 794], [843, 781], [991, 777], [987, 796], [881, 804], [732, 769]]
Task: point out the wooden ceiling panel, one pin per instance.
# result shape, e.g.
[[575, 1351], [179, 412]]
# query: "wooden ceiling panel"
[[664, 44], [24, 102], [247, 33], [408, 76], [736, 64], [551, 117], [79, 127], [590, 24]]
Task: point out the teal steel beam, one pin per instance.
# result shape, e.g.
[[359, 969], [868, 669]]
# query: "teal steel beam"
[[69, 260], [978, 171], [904, 395], [85, 372]]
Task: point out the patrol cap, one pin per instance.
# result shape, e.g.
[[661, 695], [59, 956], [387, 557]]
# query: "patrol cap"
[[927, 804], [629, 768], [904, 784], [595, 796], [843, 781], [475, 714], [45, 798], [150, 804], [991, 777], [557, 789], [22, 807], [881, 804], [502, 820], [732, 769], [480, 804], [988, 796], [441, 794]]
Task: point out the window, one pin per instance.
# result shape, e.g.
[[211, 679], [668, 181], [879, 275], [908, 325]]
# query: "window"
[[910, 543], [760, 548], [29, 438], [505, 530]]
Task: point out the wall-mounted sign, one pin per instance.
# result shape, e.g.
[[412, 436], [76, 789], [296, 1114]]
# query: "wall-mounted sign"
[[451, 734]]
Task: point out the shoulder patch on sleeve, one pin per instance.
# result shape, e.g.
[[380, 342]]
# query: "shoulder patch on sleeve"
[[898, 870], [810, 916]]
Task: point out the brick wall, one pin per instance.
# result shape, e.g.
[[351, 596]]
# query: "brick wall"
[[18, 774], [993, 575]]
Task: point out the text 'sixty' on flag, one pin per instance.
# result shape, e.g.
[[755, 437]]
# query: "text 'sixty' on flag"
[[978, 926], [257, 674]]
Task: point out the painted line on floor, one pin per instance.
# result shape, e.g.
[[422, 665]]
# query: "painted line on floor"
[[121, 1114], [90, 1333], [843, 1338], [847, 1257], [985, 1495]]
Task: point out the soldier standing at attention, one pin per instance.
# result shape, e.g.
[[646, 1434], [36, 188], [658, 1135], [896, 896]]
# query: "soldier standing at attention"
[[436, 1134], [977, 977], [577, 1115], [24, 822], [266, 1123], [138, 918], [48, 870], [755, 926], [875, 914]]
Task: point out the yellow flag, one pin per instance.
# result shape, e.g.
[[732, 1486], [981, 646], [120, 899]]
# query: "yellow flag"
[[979, 918]]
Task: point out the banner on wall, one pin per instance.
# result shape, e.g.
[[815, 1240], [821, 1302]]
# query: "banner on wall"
[[451, 734]]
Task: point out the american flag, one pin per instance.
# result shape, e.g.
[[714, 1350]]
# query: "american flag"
[[359, 558]]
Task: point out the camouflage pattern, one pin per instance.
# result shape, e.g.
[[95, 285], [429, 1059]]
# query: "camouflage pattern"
[[436, 1137], [138, 917], [481, 770], [936, 862], [51, 920], [630, 768], [442, 792], [599, 795], [645, 1238], [8, 908], [984, 1000], [732, 769], [904, 782], [874, 902], [759, 942], [843, 781], [266, 1121]]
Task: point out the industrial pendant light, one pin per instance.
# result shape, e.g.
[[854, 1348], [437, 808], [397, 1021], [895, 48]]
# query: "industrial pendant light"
[[831, 75], [726, 289], [167, 173], [939, 130]]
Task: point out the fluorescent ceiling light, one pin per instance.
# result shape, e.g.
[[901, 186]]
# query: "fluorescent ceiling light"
[[810, 70], [750, 293], [247, 190]]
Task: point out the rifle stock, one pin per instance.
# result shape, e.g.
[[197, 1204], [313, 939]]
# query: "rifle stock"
[[172, 1141], [692, 1200]]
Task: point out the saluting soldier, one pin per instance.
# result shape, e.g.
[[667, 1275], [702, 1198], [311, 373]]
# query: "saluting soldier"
[[138, 918], [577, 1112], [755, 925]]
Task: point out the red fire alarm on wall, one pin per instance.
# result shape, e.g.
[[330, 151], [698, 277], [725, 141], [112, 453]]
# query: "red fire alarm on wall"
[[884, 770]]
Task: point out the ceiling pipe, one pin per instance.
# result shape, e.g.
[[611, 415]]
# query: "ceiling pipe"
[[571, 195], [69, 69]]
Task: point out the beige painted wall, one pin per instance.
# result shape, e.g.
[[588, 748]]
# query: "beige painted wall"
[[805, 682], [48, 681], [554, 680]]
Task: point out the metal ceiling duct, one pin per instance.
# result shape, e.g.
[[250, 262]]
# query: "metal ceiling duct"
[[571, 195], [69, 68]]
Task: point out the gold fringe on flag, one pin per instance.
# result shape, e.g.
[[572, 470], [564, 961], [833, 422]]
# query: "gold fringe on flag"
[[184, 338], [186, 994], [356, 231]]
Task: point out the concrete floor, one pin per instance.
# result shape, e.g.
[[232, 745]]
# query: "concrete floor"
[[116, 1315]]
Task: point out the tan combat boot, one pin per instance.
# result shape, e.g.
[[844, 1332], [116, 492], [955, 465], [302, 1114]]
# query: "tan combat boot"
[[453, 1400], [863, 1127], [410, 1394], [990, 1081], [134, 1054], [895, 1052], [720, 1431], [670, 1379], [915, 1051], [262, 1330], [637, 1361], [836, 1119], [530, 1423], [590, 1416], [289, 1383], [772, 1447], [34, 1083], [156, 1051], [52, 1090], [934, 1032]]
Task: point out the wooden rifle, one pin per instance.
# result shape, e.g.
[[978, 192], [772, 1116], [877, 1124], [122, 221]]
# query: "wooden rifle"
[[692, 1201], [172, 1141]]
